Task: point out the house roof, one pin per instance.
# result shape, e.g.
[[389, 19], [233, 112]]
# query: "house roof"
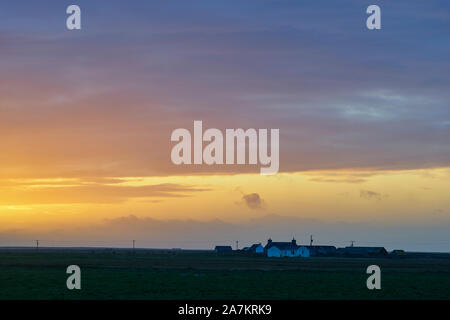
[[254, 246], [364, 250], [322, 249], [223, 248], [282, 245]]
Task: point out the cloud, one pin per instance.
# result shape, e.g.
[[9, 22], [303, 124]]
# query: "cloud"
[[253, 201], [344, 180], [340, 176], [368, 195], [277, 67], [93, 193]]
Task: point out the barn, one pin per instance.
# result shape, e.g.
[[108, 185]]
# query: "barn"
[[223, 250], [322, 251], [362, 252], [285, 249]]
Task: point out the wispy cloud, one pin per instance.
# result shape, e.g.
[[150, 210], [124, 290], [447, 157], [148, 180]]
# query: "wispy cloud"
[[369, 195], [92, 193], [104, 113], [342, 180]]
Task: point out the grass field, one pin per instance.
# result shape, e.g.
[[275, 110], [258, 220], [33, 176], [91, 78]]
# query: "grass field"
[[149, 274]]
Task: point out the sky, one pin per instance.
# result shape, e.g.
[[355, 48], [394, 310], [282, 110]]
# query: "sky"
[[86, 118]]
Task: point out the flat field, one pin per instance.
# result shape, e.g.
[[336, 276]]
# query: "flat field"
[[157, 274]]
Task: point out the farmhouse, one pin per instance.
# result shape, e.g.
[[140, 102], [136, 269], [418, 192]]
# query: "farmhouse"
[[285, 249]]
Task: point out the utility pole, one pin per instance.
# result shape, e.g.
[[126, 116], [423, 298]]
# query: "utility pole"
[[351, 243], [134, 241], [37, 244], [311, 240], [237, 245]]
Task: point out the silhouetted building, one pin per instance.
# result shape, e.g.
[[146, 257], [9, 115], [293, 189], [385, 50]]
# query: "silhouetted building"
[[256, 248], [322, 251], [398, 253], [223, 250], [362, 252], [285, 249]]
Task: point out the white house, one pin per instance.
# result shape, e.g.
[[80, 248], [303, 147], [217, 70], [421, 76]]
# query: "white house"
[[286, 249], [304, 252]]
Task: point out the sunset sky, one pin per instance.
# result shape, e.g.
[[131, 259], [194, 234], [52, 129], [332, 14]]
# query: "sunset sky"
[[86, 118]]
